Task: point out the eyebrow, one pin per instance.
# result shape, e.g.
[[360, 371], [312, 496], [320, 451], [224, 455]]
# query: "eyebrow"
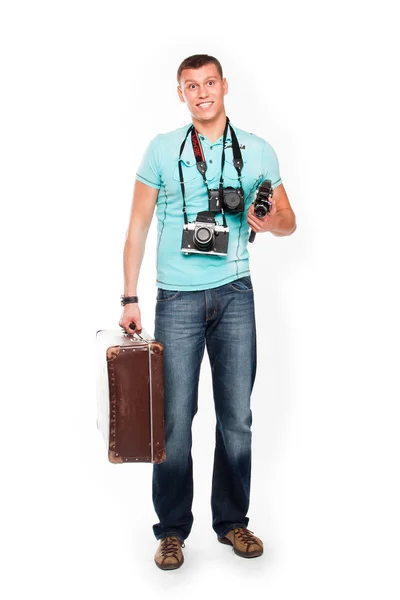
[[193, 81]]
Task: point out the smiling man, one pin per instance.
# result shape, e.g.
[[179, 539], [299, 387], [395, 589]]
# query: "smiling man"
[[202, 179]]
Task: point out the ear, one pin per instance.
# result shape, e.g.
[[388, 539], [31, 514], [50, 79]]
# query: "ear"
[[179, 90], [225, 86]]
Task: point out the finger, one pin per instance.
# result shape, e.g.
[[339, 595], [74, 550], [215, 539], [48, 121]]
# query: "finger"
[[265, 218], [138, 327], [253, 223], [125, 326]]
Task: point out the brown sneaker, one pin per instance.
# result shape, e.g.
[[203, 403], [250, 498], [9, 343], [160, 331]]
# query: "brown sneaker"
[[244, 543], [169, 554]]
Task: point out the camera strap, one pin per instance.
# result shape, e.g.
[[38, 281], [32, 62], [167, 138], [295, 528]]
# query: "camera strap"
[[237, 155], [202, 165], [181, 175], [199, 156], [198, 152]]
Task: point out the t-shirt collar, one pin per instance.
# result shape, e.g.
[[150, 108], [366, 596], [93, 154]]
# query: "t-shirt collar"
[[205, 140]]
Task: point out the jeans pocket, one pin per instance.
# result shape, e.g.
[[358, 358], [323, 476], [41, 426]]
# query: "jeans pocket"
[[243, 284], [166, 295]]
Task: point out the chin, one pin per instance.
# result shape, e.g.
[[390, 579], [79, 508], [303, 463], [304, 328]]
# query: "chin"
[[206, 116]]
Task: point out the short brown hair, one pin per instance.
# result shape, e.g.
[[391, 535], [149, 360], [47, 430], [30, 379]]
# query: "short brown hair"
[[196, 61]]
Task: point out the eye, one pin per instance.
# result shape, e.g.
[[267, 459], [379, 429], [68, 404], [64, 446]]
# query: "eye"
[[191, 86], [211, 82]]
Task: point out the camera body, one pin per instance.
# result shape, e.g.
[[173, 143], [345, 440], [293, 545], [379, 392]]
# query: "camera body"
[[262, 203], [232, 200], [205, 236]]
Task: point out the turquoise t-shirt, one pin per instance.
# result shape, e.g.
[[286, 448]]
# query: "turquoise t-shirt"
[[159, 169]]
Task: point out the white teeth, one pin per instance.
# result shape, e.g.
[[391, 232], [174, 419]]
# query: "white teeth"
[[205, 104]]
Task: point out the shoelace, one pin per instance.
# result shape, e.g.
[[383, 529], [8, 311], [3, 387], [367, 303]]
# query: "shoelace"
[[245, 535], [170, 546]]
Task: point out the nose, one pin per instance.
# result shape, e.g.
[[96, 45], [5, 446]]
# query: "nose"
[[203, 91]]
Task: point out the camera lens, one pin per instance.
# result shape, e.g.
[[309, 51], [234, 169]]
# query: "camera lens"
[[231, 199], [260, 210], [203, 238]]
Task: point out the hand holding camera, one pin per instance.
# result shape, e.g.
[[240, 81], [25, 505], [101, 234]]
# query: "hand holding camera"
[[262, 206]]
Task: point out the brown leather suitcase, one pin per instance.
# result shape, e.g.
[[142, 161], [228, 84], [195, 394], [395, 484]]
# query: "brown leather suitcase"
[[130, 396]]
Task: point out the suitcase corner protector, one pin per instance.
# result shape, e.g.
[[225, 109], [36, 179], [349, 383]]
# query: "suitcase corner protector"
[[157, 348], [114, 457], [161, 457], [112, 352]]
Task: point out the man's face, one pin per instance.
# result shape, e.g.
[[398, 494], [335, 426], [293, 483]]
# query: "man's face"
[[203, 91]]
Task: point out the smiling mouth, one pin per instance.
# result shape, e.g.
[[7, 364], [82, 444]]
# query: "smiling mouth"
[[205, 104]]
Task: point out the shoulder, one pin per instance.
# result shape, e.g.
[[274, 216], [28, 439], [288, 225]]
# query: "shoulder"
[[172, 138], [253, 141], [162, 146], [167, 144]]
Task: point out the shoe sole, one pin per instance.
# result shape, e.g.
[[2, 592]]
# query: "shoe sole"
[[253, 554], [170, 567]]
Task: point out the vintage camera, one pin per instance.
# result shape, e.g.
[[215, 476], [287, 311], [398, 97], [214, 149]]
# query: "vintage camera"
[[262, 203], [205, 236], [232, 200]]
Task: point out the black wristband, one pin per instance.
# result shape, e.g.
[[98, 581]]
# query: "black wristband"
[[129, 300]]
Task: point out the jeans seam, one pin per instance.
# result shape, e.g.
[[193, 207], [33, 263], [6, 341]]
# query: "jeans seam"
[[168, 299], [242, 290]]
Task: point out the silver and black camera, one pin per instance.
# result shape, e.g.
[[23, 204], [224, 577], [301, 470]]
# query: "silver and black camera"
[[232, 200], [262, 202], [205, 236]]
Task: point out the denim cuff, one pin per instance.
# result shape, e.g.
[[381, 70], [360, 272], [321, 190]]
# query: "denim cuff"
[[164, 535], [233, 526]]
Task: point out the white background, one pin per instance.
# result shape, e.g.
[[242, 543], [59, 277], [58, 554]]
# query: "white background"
[[85, 86]]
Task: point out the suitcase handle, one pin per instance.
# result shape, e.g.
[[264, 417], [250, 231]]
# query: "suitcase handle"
[[133, 326]]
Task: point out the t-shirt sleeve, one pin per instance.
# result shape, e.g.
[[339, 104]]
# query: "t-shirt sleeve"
[[270, 165], [149, 171]]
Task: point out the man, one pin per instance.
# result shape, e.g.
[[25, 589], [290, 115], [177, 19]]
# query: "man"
[[204, 298]]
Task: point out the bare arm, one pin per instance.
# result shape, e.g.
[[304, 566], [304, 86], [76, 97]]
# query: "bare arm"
[[143, 204]]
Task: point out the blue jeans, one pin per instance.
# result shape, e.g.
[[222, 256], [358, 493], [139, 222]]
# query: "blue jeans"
[[222, 319]]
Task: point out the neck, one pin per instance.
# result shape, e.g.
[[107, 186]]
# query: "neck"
[[213, 129]]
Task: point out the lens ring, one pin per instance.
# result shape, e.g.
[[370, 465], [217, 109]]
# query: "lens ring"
[[260, 210], [231, 200], [203, 238]]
